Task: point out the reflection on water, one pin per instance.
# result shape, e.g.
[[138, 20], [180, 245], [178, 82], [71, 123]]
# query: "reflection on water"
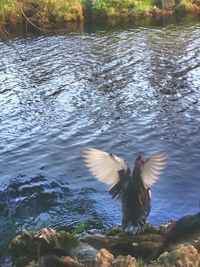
[[126, 91]]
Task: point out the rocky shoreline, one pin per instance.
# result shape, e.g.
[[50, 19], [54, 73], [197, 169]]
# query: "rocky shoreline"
[[171, 244]]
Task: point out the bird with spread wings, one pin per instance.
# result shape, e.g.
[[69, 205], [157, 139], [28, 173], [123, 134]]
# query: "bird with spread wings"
[[133, 190]]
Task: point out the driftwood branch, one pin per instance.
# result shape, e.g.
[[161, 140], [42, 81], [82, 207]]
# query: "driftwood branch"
[[33, 24]]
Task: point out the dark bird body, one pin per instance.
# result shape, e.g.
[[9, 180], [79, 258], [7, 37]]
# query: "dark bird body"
[[136, 199], [132, 190]]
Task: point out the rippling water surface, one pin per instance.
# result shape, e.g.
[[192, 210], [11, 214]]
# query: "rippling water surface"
[[129, 91]]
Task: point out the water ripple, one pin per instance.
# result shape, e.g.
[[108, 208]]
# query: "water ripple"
[[129, 92]]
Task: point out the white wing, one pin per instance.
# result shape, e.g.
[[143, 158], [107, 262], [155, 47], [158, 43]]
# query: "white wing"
[[104, 166], [152, 168]]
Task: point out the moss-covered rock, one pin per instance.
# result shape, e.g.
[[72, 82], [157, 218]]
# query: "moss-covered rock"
[[182, 256], [24, 247]]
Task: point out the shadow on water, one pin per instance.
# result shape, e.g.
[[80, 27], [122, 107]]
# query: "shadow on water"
[[102, 24], [146, 22]]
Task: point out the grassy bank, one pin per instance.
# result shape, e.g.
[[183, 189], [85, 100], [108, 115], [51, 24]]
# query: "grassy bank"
[[45, 15], [115, 8], [55, 10], [135, 8]]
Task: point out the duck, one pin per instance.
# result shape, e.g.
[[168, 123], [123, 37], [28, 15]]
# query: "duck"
[[132, 189], [50, 254]]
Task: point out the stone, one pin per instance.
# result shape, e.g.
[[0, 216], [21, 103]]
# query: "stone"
[[104, 258], [182, 256], [124, 261], [71, 262], [186, 229], [144, 246]]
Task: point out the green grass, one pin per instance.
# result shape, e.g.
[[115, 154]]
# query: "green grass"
[[79, 229], [117, 7], [7, 8], [143, 6], [141, 263], [188, 6], [111, 7], [6, 5], [186, 3], [44, 10], [64, 6]]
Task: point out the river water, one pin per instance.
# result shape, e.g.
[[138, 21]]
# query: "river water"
[[128, 91]]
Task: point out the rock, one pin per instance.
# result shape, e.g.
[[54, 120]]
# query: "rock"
[[181, 240], [23, 248], [183, 256], [144, 246], [186, 229], [153, 242], [71, 262], [104, 258], [124, 261]]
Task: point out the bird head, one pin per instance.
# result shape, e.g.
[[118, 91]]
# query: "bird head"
[[139, 161], [49, 235]]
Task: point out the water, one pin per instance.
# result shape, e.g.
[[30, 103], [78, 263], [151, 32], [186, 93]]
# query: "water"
[[127, 91]]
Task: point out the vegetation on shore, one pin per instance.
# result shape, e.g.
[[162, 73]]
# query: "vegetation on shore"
[[42, 15], [48, 14], [63, 10], [119, 8]]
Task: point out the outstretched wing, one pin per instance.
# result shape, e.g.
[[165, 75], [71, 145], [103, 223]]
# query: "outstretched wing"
[[118, 190], [152, 168], [108, 168]]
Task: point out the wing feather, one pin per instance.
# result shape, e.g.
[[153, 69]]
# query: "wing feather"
[[152, 168], [104, 166]]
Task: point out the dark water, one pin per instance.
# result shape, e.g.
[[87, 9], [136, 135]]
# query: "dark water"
[[129, 91]]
